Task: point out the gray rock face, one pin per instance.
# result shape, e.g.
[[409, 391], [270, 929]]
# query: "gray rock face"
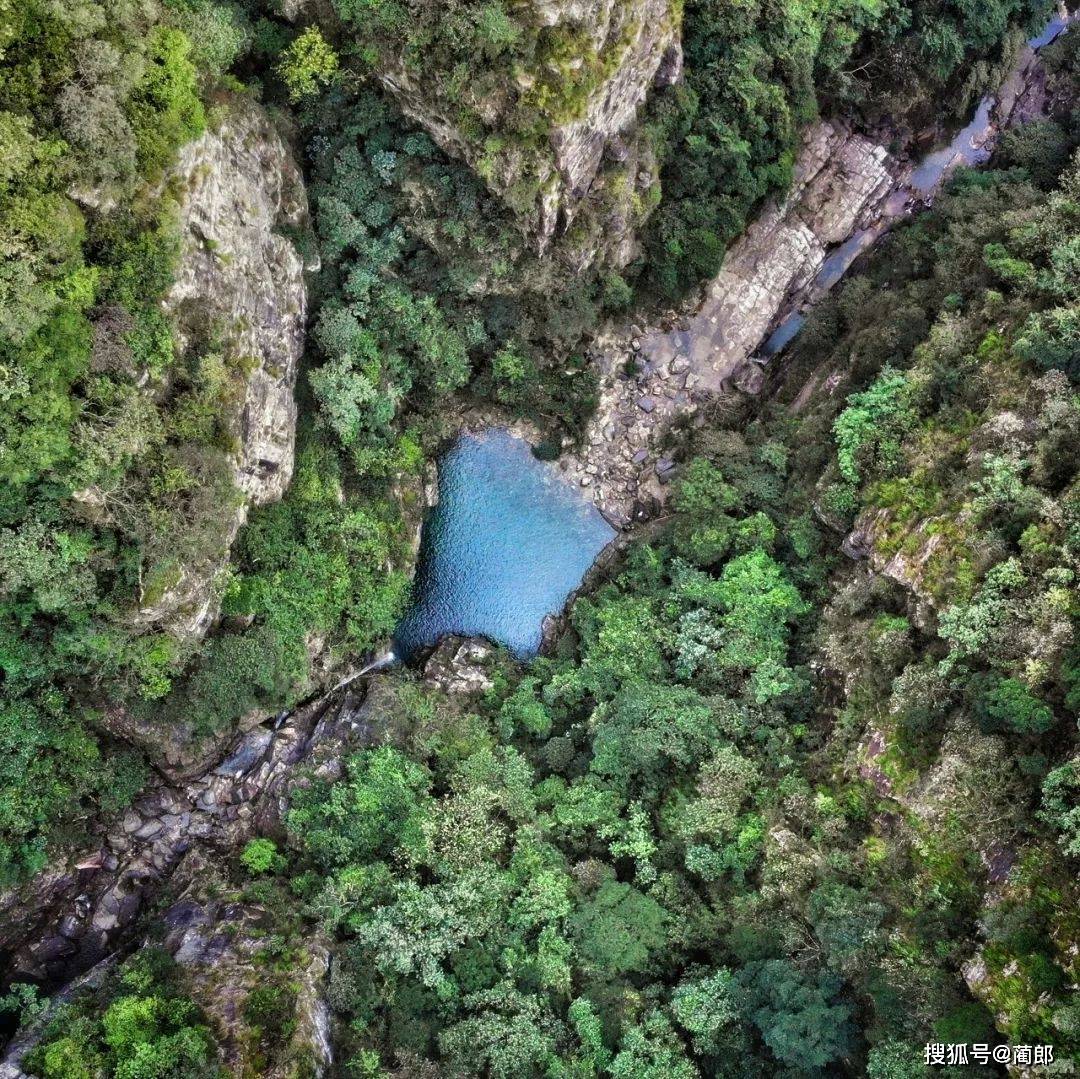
[[27, 1037], [629, 40], [841, 179], [460, 667], [846, 192], [240, 286], [239, 275], [641, 32], [81, 908], [909, 557], [220, 943]]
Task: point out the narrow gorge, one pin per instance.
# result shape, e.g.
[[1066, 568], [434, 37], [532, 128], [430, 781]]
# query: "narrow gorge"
[[538, 539]]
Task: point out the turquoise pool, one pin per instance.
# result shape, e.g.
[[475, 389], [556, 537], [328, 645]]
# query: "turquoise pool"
[[507, 543]]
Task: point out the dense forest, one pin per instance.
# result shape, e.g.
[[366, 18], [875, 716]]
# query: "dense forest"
[[796, 789]]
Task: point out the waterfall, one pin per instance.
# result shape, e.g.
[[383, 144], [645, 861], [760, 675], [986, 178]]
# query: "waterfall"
[[380, 662]]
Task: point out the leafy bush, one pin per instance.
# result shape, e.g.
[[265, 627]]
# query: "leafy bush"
[[1008, 705], [261, 856], [138, 1025], [870, 430], [1061, 805], [308, 63]]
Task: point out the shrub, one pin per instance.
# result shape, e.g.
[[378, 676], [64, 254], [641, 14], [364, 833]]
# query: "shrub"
[[1061, 805], [870, 430], [1005, 704], [307, 64], [260, 857]]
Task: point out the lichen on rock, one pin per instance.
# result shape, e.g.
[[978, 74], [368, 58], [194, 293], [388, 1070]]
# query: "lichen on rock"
[[239, 291]]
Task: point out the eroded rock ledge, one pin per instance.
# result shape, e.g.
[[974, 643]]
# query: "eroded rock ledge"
[[93, 900], [847, 191], [841, 181]]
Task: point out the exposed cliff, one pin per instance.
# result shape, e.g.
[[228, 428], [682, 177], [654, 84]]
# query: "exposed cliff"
[[544, 107], [223, 941], [842, 181], [92, 901], [847, 191], [226, 941], [81, 908], [239, 292]]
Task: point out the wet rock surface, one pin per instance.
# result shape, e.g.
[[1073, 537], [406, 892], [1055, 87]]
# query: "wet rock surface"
[[82, 908], [460, 666]]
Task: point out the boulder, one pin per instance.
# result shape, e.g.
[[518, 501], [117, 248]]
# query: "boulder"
[[95, 898], [219, 939], [460, 666]]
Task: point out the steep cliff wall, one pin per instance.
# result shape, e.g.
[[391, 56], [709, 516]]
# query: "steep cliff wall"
[[846, 192], [841, 182], [239, 292], [549, 120]]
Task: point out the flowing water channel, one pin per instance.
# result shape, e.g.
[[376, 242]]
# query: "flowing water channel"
[[968, 147], [509, 540], [507, 543]]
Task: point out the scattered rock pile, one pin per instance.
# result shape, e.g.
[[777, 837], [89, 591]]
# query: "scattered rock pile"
[[72, 915]]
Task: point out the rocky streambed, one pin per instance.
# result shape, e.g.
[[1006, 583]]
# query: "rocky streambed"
[[158, 870], [848, 190], [81, 908]]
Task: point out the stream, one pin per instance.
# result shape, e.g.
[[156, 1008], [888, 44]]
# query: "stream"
[[970, 146]]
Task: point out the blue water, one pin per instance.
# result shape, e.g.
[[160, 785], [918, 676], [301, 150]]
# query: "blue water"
[[924, 179], [962, 149], [783, 335], [963, 146], [1050, 32], [507, 543], [839, 262]]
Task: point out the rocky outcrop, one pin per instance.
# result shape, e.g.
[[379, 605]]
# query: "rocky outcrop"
[[904, 554], [240, 278], [29, 1034], [460, 667], [847, 191], [179, 749], [82, 907], [219, 940], [584, 93], [239, 291], [842, 182]]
